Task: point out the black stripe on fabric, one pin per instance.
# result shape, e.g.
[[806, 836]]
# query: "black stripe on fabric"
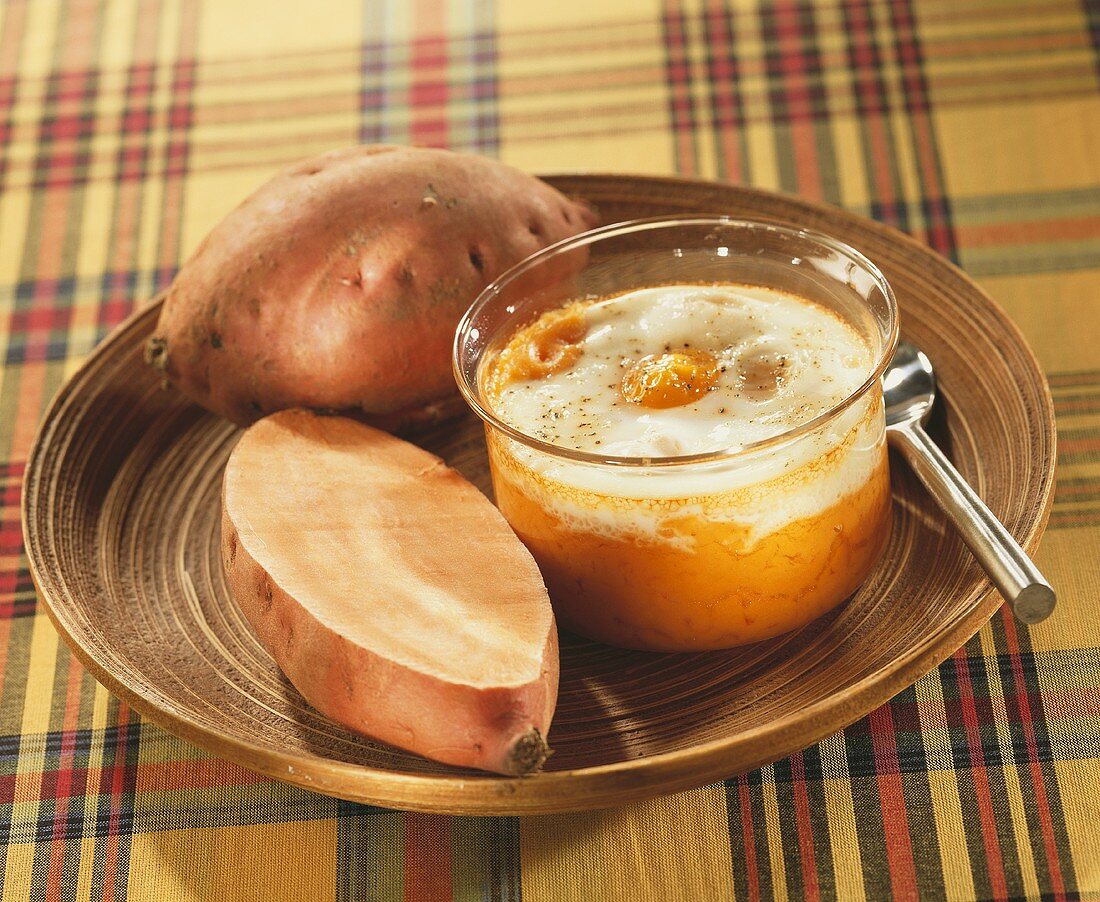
[[1091, 9], [935, 204], [819, 822], [867, 808], [506, 874], [82, 742], [758, 817], [788, 829], [724, 82], [486, 858], [482, 56], [738, 857], [24, 601], [361, 831], [866, 69]]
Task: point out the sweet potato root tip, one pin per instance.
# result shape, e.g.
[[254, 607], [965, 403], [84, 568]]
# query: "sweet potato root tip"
[[528, 754]]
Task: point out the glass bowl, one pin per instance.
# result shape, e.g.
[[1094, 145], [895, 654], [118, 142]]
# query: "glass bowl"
[[699, 551]]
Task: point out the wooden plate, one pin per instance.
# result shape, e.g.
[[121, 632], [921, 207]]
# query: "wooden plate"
[[120, 514]]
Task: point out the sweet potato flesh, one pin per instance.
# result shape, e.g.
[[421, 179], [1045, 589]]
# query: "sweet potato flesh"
[[389, 589]]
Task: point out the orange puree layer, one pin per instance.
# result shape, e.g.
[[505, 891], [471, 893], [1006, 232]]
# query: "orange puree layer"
[[725, 588]]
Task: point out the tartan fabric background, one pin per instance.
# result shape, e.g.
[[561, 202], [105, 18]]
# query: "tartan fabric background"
[[128, 127]]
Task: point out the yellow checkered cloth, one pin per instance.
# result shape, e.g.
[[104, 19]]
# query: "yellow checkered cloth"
[[129, 127]]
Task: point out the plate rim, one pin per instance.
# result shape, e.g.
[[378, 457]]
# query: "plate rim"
[[596, 786]]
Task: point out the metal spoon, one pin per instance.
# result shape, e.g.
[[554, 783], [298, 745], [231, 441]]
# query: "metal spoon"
[[909, 387]]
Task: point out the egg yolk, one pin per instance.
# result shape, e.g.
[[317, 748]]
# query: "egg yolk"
[[549, 345], [671, 379]]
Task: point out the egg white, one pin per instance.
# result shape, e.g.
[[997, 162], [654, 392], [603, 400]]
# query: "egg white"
[[823, 360]]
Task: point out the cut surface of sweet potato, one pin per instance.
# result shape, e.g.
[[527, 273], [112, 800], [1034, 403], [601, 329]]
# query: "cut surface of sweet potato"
[[390, 591]]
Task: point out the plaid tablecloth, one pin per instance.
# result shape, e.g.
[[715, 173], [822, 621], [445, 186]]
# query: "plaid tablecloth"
[[128, 127]]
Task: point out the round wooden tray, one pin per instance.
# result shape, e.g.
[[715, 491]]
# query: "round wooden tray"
[[120, 518]]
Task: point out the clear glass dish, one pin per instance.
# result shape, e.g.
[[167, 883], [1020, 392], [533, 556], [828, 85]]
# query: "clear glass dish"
[[708, 550]]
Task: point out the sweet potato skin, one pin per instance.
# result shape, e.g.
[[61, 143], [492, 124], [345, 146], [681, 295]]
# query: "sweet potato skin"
[[498, 729], [337, 285]]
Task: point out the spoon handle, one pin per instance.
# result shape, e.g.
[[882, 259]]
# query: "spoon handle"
[[1012, 571]]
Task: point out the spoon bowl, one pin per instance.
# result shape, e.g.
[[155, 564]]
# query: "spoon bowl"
[[908, 385]]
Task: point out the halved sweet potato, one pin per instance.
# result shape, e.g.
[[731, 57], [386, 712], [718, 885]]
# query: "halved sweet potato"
[[390, 591], [338, 284]]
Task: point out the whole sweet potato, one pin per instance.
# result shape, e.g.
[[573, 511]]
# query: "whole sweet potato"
[[338, 284]]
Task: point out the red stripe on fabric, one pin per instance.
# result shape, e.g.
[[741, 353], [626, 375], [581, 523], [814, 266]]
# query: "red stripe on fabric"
[[1077, 445], [1039, 231], [40, 319], [1027, 718], [752, 873], [201, 773], [32, 384], [678, 77], [810, 887], [53, 219], [6, 794], [51, 786], [799, 109], [427, 858], [429, 90], [69, 782], [895, 821], [180, 117], [938, 234], [722, 80], [980, 777], [74, 127]]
